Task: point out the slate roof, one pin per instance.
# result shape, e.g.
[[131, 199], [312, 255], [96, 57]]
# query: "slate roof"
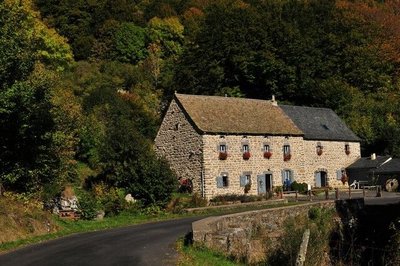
[[319, 123], [367, 163], [214, 114], [392, 166]]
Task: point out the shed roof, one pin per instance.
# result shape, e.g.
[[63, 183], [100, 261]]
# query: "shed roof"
[[367, 163], [391, 167], [215, 114], [319, 123]]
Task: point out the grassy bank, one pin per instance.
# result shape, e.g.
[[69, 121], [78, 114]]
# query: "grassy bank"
[[53, 227]]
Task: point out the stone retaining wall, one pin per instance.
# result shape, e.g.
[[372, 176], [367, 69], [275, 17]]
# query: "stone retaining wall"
[[250, 234]]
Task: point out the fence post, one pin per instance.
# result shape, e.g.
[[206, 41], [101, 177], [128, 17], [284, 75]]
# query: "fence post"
[[363, 192], [349, 192], [296, 196], [309, 195], [326, 194], [301, 257], [378, 191], [337, 193]]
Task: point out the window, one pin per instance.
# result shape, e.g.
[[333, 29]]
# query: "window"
[[286, 153], [246, 148], [266, 148], [223, 154], [319, 148], [347, 148], [286, 149], [287, 179], [222, 148], [245, 179], [222, 181]]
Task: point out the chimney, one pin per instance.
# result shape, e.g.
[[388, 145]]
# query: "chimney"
[[373, 156], [274, 103]]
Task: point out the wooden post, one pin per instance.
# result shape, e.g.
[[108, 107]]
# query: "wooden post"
[[378, 191], [349, 192], [301, 257], [363, 192], [296, 196], [337, 193], [309, 195], [326, 194]]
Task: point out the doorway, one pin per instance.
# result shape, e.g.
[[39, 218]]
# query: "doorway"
[[321, 179], [264, 183]]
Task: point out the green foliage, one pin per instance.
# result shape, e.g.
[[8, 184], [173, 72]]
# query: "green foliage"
[[224, 199], [88, 205], [130, 43], [321, 224], [300, 187]]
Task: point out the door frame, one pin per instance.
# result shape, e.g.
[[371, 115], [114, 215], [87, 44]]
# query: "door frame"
[[319, 173]]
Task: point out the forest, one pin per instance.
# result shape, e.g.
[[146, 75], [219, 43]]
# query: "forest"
[[84, 83]]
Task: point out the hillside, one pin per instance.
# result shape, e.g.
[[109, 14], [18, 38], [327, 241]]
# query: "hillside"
[[84, 84]]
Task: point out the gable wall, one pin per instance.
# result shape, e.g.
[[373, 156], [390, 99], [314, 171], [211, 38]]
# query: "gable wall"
[[180, 144]]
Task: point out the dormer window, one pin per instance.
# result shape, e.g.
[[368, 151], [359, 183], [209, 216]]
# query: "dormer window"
[[319, 149], [286, 153], [347, 148]]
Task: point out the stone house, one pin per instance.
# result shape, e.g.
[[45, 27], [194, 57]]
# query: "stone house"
[[223, 143]]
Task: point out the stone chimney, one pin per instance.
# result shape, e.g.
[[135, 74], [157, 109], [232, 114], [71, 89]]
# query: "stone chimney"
[[373, 156], [273, 101]]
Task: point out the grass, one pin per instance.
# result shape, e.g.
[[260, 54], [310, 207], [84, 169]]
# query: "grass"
[[190, 255], [66, 227]]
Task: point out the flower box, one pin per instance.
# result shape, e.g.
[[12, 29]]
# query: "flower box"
[[267, 154], [287, 157], [223, 155], [246, 155]]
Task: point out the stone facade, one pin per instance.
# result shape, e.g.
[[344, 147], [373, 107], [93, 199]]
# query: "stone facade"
[[304, 162], [179, 142], [194, 154]]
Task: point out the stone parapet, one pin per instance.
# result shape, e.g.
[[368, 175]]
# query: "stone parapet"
[[248, 234]]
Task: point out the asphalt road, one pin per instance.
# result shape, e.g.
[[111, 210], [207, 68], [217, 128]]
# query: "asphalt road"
[[146, 244]]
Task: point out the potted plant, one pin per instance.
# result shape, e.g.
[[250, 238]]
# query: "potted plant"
[[267, 154], [319, 152], [247, 188], [223, 155], [287, 157], [246, 155], [347, 152]]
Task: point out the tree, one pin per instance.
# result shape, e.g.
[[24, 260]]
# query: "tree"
[[31, 58], [130, 43]]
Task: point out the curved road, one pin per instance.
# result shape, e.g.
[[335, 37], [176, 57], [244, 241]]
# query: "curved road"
[[146, 244]]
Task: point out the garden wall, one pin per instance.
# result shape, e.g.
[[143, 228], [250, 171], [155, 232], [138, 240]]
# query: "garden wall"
[[248, 235]]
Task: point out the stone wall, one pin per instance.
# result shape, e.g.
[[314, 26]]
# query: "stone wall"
[[235, 165], [181, 145], [332, 159], [304, 161], [250, 234]]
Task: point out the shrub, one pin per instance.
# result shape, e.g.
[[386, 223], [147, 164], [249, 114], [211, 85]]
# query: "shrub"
[[224, 199], [300, 187], [88, 205]]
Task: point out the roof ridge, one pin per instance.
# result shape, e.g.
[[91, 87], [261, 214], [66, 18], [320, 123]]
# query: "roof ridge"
[[309, 107], [223, 97]]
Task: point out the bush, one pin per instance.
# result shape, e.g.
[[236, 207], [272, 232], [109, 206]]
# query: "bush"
[[300, 187], [88, 205], [224, 199]]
